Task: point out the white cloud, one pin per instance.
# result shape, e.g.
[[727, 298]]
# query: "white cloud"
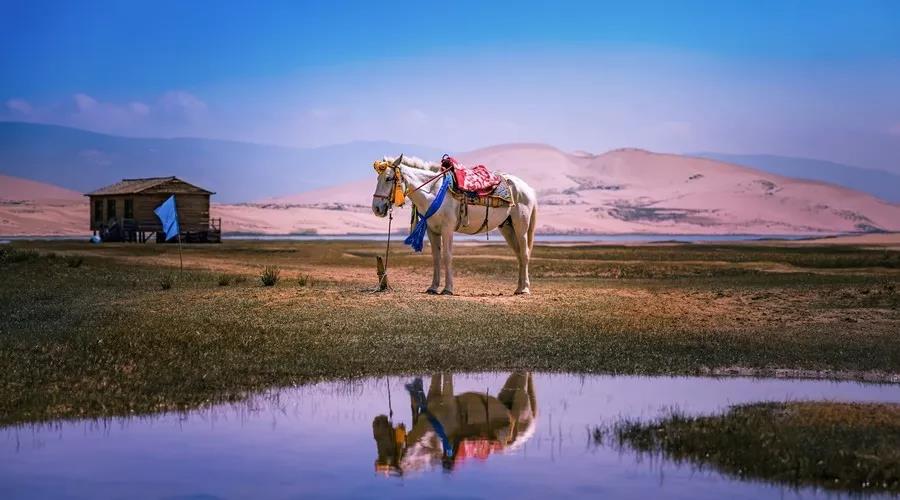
[[19, 106], [139, 108], [92, 113], [182, 103], [84, 102], [174, 112]]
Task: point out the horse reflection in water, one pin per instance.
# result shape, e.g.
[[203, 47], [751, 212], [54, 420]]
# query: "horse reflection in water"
[[448, 429]]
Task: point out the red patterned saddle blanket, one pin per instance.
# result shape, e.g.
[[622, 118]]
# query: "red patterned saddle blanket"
[[477, 180]]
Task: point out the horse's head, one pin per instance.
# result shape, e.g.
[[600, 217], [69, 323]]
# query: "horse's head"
[[390, 441], [390, 188]]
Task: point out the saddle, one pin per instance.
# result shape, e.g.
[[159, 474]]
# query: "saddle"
[[478, 185]]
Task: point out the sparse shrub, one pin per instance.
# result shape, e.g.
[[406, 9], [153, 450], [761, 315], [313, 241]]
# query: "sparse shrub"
[[239, 278], [28, 255], [225, 279], [305, 280], [8, 254], [166, 282], [74, 260], [51, 255], [270, 275]]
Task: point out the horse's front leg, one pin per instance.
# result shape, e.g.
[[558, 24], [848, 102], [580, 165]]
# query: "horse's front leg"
[[447, 257], [435, 240]]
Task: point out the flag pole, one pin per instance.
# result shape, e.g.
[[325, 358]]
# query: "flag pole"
[[178, 225]]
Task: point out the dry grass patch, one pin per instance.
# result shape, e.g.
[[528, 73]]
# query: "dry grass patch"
[[270, 275]]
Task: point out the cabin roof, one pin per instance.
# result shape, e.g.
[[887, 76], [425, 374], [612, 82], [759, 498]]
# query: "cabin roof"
[[134, 186]]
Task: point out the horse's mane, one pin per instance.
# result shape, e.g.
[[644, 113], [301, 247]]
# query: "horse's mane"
[[414, 162]]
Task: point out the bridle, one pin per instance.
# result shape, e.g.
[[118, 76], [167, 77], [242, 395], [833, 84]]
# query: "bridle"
[[397, 195]]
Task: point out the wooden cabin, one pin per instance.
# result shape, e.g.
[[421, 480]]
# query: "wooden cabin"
[[124, 211]]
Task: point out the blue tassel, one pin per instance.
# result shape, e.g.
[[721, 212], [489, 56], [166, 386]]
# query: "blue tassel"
[[416, 238]]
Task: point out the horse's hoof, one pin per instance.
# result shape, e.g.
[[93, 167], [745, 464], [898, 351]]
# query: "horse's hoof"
[[431, 291], [523, 291], [447, 292]]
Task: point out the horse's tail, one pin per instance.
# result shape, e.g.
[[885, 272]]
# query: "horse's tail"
[[531, 226]]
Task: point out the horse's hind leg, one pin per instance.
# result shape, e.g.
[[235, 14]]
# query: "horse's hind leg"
[[435, 240], [520, 224], [509, 234]]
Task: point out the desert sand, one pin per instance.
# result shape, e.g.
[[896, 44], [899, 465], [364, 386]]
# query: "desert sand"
[[29, 208], [636, 191], [619, 192]]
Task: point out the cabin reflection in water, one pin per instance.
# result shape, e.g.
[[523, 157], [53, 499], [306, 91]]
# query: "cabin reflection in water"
[[448, 428]]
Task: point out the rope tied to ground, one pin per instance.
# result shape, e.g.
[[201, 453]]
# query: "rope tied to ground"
[[382, 264]]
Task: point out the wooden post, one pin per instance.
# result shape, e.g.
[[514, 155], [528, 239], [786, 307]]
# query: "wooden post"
[[382, 274]]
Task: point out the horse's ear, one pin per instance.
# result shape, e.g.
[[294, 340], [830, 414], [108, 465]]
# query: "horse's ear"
[[399, 160]]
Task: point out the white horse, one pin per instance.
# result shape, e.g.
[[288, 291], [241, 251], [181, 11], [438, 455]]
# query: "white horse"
[[399, 178]]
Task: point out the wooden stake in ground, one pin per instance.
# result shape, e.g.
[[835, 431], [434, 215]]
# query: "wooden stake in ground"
[[381, 264], [382, 274]]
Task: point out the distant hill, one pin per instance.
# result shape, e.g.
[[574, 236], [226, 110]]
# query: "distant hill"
[[240, 172], [236, 171], [30, 208], [884, 185], [15, 189], [328, 190], [621, 191], [624, 191]]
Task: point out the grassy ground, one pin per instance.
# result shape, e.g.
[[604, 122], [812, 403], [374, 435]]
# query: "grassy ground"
[[114, 329], [841, 446]]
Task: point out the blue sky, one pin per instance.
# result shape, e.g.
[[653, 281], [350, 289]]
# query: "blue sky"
[[805, 78]]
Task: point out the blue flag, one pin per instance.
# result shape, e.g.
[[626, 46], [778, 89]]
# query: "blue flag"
[[168, 215]]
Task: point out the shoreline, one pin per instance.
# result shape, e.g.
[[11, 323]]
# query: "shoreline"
[[837, 238], [736, 373]]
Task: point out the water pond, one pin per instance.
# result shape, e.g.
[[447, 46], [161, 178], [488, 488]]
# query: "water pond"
[[503, 435]]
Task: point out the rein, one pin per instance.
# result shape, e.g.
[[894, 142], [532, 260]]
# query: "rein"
[[397, 175], [432, 179]]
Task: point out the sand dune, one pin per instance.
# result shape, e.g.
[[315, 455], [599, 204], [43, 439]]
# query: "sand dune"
[[29, 208], [636, 191], [14, 188], [621, 191]]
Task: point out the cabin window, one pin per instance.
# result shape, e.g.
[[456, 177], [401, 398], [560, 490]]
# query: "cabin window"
[[129, 209], [98, 210], [110, 209]]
